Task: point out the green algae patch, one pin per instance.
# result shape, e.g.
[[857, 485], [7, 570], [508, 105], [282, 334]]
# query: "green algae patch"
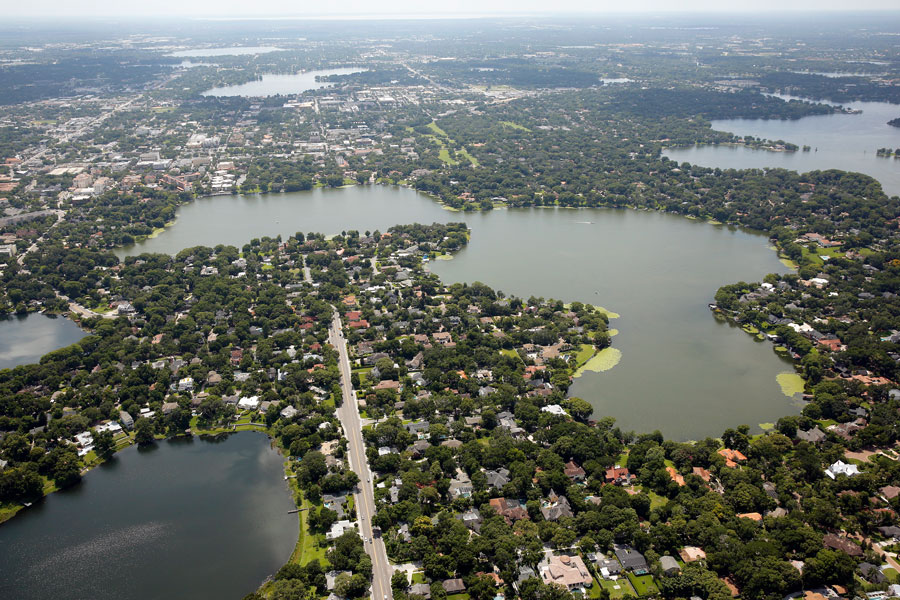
[[789, 263], [613, 332], [767, 426], [609, 314], [791, 383], [444, 257], [604, 360]]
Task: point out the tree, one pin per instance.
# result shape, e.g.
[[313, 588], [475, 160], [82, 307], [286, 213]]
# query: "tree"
[[104, 444], [67, 470], [580, 409], [399, 582], [143, 432]]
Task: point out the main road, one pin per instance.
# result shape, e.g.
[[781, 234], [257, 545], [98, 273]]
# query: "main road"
[[364, 497]]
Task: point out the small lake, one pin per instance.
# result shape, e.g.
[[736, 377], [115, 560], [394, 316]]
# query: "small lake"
[[232, 51], [279, 85], [151, 524], [25, 339], [837, 141], [681, 371]]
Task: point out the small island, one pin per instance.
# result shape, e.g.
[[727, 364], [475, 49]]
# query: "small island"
[[894, 122]]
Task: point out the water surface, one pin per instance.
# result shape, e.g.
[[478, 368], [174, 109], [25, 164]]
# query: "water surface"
[[25, 339], [283, 85], [187, 515], [680, 372], [837, 141], [231, 51]]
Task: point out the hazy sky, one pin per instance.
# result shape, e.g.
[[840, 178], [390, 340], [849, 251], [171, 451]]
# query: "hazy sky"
[[264, 8]]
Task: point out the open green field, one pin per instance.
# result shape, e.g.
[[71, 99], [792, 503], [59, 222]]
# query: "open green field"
[[585, 352], [644, 585], [623, 585], [418, 577], [434, 127], [465, 154], [514, 125]]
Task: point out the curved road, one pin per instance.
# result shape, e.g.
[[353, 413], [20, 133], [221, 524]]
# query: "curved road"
[[364, 497]]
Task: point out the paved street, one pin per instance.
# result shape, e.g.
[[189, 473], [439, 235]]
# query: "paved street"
[[364, 499]]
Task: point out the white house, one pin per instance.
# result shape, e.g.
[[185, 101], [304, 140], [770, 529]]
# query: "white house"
[[339, 529], [249, 402], [554, 409], [841, 468]]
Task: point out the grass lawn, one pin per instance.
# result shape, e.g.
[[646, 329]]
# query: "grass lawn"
[[445, 157], [643, 585], [458, 597], [418, 577], [514, 125], [465, 154], [510, 353], [434, 127], [625, 588], [656, 501], [307, 548], [891, 575], [585, 352]]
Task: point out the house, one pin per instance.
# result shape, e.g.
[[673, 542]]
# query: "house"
[[871, 573], [509, 508], [419, 447], [691, 554], [472, 519], [889, 492], [618, 476], [836, 542], [127, 421], [631, 559], [732, 457], [890, 531], [702, 473], [607, 567], [335, 503], [567, 571], [460, 488], [453, 586], [753, 516], [289, 412], [841, 468], [248, 403], [813, 436], [554, 409], [675, 476], [573, 471], [420, 589], [497, 478], [669, 565], [556, 508], [339, 528], [169, 407]]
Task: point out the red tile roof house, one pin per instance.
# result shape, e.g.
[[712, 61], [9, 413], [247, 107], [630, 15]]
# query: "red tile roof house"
[[732, 457], [618, 475]]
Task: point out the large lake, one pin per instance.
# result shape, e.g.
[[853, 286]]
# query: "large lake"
[[681, 371], [25, 339], [838, 141], [283, 85], [185, 515], [229, 51]]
